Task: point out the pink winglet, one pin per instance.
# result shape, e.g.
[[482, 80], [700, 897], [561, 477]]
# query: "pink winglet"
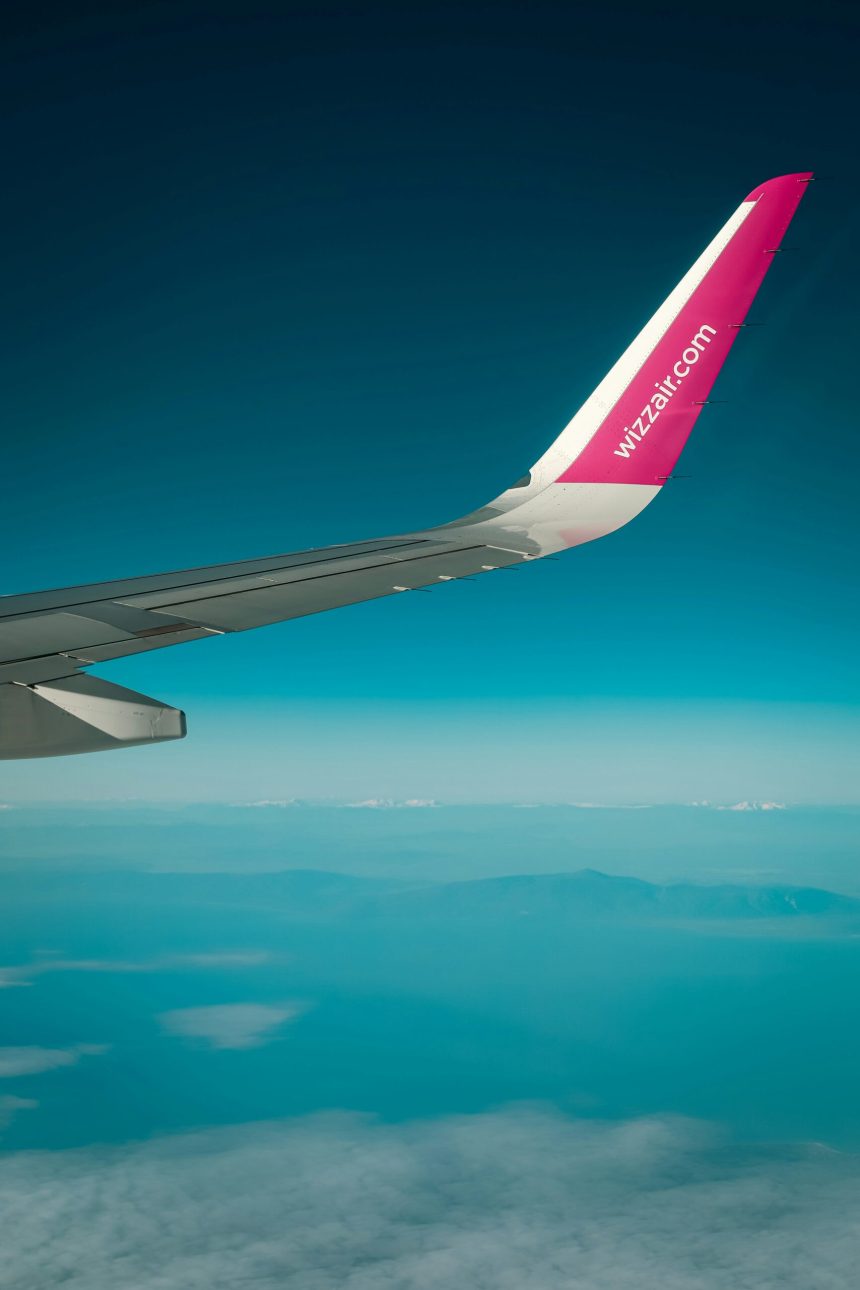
[[641, 438]]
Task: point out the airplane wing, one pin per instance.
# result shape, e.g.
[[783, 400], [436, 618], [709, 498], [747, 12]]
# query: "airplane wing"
[[608, 463]]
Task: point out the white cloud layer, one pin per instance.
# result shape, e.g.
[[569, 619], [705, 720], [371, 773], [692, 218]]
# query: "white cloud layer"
[[20, 974], [10, 1105], [33, 1060], [520, 1198], [231, 1025]]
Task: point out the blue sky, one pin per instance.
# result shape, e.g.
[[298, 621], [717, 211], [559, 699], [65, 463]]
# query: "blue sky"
[[301, 278]]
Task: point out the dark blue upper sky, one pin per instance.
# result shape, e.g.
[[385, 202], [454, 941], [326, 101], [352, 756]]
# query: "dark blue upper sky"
[[277, 276]]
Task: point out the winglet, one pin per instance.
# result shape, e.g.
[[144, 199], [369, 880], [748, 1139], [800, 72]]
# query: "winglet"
[[616, 453], [652, 398]]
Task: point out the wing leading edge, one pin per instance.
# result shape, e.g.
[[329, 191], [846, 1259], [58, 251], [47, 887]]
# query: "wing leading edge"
[[608, 463]]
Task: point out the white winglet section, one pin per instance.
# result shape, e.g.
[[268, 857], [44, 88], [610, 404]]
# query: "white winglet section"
[[580, 429], [613, 456], [588, 509], [561, 516]]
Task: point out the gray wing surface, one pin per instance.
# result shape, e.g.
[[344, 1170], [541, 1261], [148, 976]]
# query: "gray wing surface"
[[50, 706]]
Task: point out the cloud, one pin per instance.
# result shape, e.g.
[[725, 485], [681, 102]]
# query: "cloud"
[[521, 1197], [271, 801], [231, 1025], [749, 806], [216, 959], [10, 1106], [388, 804], [371, 804], [33, 1060], [19, 974], [612, 806]]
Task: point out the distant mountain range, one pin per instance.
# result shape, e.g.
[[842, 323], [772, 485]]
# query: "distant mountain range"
[[593, 895], [583, 895], [388, 803]]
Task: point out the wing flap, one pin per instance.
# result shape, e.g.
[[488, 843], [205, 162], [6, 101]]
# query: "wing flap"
[[140, 645], [31, 671], [47, 633]]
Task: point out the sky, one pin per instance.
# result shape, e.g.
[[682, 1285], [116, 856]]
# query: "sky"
[[279, 277], [377, 979]]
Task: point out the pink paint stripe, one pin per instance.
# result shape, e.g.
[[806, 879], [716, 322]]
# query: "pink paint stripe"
[[640, 440]]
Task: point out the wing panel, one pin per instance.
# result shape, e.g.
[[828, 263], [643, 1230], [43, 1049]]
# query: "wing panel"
[[122, 649], [295, 571], [31, 671], [72, 597], [237, 611], [48, 633]]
